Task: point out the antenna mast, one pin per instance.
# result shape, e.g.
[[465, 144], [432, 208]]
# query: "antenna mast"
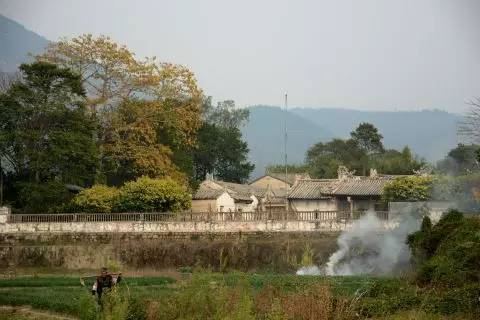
[[285, 149]]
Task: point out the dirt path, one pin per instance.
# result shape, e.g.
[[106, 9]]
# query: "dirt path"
[[33, 314]]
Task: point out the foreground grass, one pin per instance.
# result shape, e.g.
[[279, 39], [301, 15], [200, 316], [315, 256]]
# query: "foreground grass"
[[214, 296], [63, 294]]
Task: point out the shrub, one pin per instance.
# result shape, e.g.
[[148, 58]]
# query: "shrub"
[[411, 188], [150, 195], [47, 197], [449, 253], [99, 198]]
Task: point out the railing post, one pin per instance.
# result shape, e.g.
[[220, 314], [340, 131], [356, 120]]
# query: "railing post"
[[5, 215]]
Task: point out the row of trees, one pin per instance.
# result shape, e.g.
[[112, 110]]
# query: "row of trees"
[[88, 112], [363, 151]]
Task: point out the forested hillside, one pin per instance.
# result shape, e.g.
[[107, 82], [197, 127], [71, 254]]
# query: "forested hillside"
[[430, 134]]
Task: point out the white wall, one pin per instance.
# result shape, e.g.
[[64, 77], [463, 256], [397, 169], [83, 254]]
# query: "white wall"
[[225, 203], [312, 205]]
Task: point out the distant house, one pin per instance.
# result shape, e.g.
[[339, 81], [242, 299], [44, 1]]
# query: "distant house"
[[220, 196], [278, 180], [346, 193], [278, 185]]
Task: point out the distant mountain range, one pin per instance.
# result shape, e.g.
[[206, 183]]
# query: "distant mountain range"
[[16, 43], [430, 134]]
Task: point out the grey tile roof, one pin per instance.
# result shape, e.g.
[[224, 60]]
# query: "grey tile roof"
[[313, 189], [327, 188], [362, 187], [281, 176], [204, 193]]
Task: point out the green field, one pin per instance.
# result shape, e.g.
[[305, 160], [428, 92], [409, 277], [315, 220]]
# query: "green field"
[[232, 295]]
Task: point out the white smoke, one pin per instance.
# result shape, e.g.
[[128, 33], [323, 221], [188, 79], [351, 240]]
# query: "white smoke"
[[367, 247], [309, 271]]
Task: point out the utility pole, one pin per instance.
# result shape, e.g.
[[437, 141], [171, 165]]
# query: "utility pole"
[[286, 160], [1, 182]]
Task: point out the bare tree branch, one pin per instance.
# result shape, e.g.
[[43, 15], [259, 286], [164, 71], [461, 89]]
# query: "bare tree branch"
[[470, 126]]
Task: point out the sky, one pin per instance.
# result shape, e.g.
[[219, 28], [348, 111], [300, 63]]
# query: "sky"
[[359, 54]]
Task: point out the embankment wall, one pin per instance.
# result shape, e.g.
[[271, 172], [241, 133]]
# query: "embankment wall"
[[273, 251]]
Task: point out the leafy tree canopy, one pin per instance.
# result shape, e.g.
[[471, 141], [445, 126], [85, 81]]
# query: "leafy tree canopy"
[[221, 149], [460, 160], [46, 133], [367, 138], [411, 188]]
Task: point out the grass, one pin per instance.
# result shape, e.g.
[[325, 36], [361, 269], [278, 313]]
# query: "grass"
[[253, 296], [61, 293]]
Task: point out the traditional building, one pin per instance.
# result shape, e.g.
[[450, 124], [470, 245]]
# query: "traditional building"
[[346, 193], [277, 186], [278, 181], [220, 196]]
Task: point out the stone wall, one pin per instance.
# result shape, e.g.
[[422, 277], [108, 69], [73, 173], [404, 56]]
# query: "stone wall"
[[172, 227], [133, 251]]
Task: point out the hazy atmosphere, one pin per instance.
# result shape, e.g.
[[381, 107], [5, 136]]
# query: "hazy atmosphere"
[[150, 170], [367, 55]]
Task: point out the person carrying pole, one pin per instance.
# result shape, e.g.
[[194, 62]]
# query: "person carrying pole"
[[104, 281]]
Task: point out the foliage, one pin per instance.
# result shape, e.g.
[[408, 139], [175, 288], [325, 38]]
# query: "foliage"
[[367, 138], [363, 151], [307, 257], [109, 72], [99, 198], [47, 197], [225, 114], [448, 255], [323, 159], [460, 160], [411, 188], [133, 144], [147, 110], [221, 151], [153, 195], [464, 190], [46, 132], [397, 162]]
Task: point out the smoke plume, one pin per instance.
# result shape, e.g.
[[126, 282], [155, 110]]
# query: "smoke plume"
[[369, 248]]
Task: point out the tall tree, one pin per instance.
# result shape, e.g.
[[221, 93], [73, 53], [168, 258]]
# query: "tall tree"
[[397, 162], [133, 145], [323, 159], [460, 160], [117, 83], [46, 133], [221, 149], [369, 140], [367, 137], [109, 72], [225, 114]]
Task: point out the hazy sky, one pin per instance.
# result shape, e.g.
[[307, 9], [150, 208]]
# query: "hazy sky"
[[362, 54]]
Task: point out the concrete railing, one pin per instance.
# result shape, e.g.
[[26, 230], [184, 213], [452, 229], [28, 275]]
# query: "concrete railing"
[[182, 222], [189, 216]]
